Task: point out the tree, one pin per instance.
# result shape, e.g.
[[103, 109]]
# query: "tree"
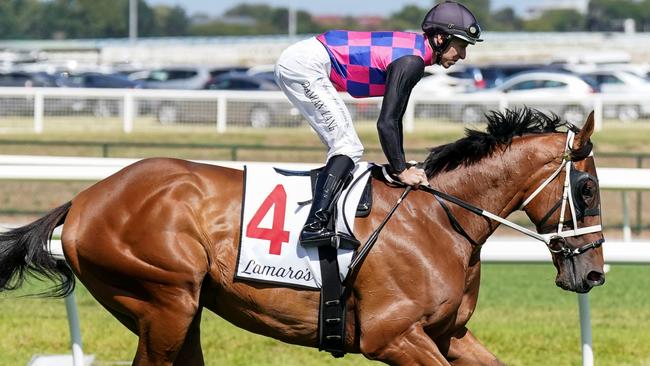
[[506, 20], [481, 10], [561, 20], [18, 18], [644, 15], [171, 21], [608, 15]]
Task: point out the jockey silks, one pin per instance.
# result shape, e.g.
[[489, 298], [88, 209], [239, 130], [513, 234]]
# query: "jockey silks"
[[359, 59]]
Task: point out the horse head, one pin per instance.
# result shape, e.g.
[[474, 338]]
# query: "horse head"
[[565, 207]]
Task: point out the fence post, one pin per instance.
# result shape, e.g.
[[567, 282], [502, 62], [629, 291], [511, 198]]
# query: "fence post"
[[627, 230], [585, 330], [221, 113], [39, 101], [598, 112], [503, 103], [129, 112], [75, 330]]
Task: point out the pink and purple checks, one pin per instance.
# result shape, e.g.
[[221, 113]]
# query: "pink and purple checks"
[[360, 59]]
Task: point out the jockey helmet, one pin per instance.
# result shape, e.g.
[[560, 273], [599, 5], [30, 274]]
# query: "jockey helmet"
[[452, 19]]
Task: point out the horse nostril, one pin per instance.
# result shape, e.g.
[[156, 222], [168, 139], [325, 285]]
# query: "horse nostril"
[[596, 278]]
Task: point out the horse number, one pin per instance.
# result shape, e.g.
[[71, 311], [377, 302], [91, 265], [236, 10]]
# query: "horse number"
[[276, 234]]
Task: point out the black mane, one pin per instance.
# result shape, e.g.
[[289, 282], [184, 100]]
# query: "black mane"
[[501, 128]]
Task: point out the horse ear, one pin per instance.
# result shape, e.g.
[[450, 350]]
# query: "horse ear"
[[583, 136]]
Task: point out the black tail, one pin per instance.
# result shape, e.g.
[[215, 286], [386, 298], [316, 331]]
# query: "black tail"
[[24, 251]]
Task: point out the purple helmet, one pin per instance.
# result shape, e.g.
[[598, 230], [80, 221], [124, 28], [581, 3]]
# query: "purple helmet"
[[453, 19]]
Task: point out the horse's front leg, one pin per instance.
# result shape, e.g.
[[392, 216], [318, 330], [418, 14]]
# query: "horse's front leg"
[[411, 347], [466, 350]]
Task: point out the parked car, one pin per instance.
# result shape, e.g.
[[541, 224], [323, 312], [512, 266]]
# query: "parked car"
[[100, 107], [443, 82], [100, 80], [622, 82], [24, 105], [193, 78], [240, 81], [456, 79], [495, 74], [28, 79], [225, 70], [259, 114], [536, 84], [263, 71]]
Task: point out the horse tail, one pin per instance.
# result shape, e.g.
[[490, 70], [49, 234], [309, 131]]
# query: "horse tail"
[[23, 251]]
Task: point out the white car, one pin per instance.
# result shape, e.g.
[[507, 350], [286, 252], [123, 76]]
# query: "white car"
[[456, 79], [623, 82], [437, 81], [551, 85]]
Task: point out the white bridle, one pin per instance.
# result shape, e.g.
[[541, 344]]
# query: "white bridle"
[[566, 197]]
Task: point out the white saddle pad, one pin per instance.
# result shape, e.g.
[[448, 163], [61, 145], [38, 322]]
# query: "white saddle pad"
[[272, 219]]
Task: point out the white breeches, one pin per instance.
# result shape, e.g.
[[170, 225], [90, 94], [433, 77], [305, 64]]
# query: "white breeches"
[[302, 71]]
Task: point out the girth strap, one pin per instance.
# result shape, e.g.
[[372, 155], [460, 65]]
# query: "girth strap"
[[331, 320]]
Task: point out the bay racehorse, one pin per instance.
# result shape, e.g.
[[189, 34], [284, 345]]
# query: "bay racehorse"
[[156, 243]]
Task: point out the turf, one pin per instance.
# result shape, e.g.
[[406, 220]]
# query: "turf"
[[521, 317]]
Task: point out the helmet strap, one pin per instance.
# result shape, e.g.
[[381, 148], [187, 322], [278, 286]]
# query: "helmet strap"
[[440, 49]]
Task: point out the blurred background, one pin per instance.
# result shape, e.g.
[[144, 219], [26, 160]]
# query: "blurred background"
[[594, 54]]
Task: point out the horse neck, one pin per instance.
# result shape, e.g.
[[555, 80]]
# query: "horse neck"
[[499, 182]]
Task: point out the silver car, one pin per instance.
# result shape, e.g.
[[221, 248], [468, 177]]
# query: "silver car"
[[554, 86], [627, 84]]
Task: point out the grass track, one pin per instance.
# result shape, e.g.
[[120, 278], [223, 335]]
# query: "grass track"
[[521, 316]]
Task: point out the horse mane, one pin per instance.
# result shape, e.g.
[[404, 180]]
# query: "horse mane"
[[501, 128]]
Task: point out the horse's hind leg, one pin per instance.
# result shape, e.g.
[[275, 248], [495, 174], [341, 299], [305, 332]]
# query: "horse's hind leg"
[[191, 352], [466, 350], [413, 347], [168, 330]]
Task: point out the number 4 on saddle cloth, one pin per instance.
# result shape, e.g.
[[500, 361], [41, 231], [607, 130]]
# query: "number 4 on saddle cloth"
[[276, 203]]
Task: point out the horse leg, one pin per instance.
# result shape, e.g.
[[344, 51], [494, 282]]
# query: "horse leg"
[[191, 352], [167, 325], [412, 347], [466, 350]]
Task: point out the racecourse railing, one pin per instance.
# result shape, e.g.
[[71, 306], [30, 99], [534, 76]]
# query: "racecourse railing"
[[129, 110]]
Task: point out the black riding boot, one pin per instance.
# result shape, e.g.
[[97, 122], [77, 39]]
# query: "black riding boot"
[[330, 183]]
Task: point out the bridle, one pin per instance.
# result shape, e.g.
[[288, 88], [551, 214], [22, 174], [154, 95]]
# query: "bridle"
[[550, 239], [572, 177]]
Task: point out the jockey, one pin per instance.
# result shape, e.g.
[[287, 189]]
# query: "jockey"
[[366, 64]]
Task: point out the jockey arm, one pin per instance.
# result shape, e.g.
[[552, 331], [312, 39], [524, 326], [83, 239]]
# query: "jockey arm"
[[402, 75]]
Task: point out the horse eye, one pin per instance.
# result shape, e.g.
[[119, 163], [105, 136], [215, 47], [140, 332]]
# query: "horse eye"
[[588, 189]]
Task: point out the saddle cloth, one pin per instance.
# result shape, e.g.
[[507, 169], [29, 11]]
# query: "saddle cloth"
[[274, 211]]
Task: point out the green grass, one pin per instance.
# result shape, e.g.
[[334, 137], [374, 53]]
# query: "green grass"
[[615, 137], [521, 317]]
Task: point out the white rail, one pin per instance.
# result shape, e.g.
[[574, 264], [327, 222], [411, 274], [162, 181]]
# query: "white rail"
[[214, 107]]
